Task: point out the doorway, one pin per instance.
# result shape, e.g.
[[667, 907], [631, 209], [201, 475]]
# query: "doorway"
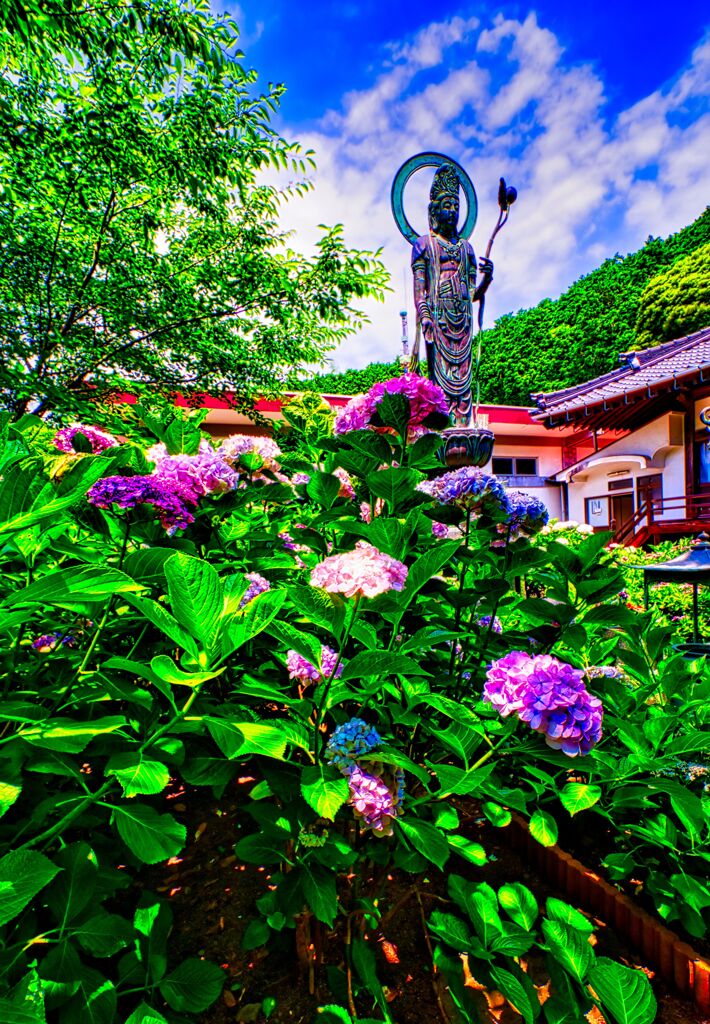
[[649, 490], [621, 509]]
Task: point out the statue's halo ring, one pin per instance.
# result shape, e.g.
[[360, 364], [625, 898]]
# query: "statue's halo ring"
[[410, 167]]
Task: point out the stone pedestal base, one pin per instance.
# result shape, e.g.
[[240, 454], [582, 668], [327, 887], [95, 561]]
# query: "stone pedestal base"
[[467, 446]]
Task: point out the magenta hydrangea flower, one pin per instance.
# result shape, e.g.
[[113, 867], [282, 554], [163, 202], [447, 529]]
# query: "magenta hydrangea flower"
[[468, 488], [424, 396], [550, 696], [206, 472], [257, 585], [98, 439], [439, 529], [300, 668], [363, 572], [173, 502], [373, 801]]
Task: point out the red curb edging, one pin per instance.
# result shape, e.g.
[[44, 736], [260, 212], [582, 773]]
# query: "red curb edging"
[[676, 962]]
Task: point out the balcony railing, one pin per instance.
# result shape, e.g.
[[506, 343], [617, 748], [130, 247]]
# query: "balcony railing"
[[689, 508]]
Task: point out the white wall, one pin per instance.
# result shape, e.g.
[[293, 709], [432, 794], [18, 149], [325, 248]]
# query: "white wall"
[[549, 461], [651, 442]]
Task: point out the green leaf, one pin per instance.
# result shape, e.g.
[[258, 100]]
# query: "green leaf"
[[148, 564], [165, 669], [558, 910], [23, 873], [519, 903], [74, 887], [12, 1013], [68, 736], [256, 934], [394, 410], [94, 1002], [474, 853], [80, 584], [165, 622], [324, 789], [395, 485], [516, 995], [9, 792], [196, 597], [426, 840], [624, 992], [150, 836], [364, 962], [497, 815], [193, 986], [320, 892], [332, 1014], [381, 663], [262, 848], [452, 930], [577, 797], [569, 947], [426, 566], [104, 934], [145, 1014], [138, 774], [240, 738], [253, 619], [323, 488], [482, 907], [543, 828]]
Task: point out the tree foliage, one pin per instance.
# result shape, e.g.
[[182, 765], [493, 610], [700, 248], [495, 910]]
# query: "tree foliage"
[[349, 382], [580, 335], [676, 302], [140, 238]]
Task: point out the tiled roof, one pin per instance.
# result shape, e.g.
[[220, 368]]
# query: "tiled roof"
[[640, 371]]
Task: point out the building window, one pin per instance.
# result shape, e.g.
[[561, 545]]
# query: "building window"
[[621, 485], [504, 466]]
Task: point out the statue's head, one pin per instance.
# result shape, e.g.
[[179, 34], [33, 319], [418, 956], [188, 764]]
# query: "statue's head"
[[444, 200]]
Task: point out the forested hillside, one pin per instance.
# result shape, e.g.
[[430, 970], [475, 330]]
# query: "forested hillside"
[[660, 292]]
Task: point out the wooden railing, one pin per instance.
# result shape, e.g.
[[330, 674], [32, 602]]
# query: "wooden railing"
[[690, 507]]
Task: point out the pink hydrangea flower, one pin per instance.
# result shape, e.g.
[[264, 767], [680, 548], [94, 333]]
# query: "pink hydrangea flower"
[[363, 572], [372, 800], [346, 485], [366, 509], [302, 669], [251, 444], [207, 471]]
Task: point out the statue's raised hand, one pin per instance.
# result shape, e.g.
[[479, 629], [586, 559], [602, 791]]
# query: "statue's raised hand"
[[485, 266]]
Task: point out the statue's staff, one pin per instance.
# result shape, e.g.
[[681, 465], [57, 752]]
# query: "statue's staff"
[[506, 197]]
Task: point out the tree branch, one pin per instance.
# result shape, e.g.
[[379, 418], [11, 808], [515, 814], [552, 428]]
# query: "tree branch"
[[106, 220]]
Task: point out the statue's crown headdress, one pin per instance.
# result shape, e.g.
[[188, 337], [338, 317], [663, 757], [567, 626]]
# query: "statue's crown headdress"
[[446, 183]]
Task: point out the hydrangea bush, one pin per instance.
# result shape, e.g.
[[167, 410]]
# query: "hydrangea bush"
[[375, 675]]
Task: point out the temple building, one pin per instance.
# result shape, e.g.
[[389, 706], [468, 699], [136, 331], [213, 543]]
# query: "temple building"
[[627, 451]]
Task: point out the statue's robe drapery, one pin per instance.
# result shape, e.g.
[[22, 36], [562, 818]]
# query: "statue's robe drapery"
[[444, 287]]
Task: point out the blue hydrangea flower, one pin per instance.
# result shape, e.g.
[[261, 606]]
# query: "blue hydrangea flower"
[[468, 488], [526, 514], [349, 741]]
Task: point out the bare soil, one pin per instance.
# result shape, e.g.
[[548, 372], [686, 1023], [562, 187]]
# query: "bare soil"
[[213, 896]]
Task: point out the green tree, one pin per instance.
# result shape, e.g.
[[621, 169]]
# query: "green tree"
[[580, 335], [138, 229], [676, 302], [348, 382]]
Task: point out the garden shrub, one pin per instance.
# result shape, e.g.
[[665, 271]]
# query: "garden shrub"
[[364, 635]]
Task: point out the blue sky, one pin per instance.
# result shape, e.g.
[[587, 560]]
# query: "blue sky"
[[600, 115]]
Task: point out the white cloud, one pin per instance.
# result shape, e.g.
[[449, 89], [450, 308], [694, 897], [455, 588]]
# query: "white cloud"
[[503, 99]]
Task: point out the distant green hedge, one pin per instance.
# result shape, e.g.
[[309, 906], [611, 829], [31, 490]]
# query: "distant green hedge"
[[351, 382]]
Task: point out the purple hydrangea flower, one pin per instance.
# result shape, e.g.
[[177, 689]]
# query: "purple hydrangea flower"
[[372, 799], [300, 668], [526, 514], [491, 622], [50, 641], [173, 502], [469, 488], [98, 439], [351, 740], [206, 472], [440, 529], [550, 696], [299, 479], [257, 585]]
